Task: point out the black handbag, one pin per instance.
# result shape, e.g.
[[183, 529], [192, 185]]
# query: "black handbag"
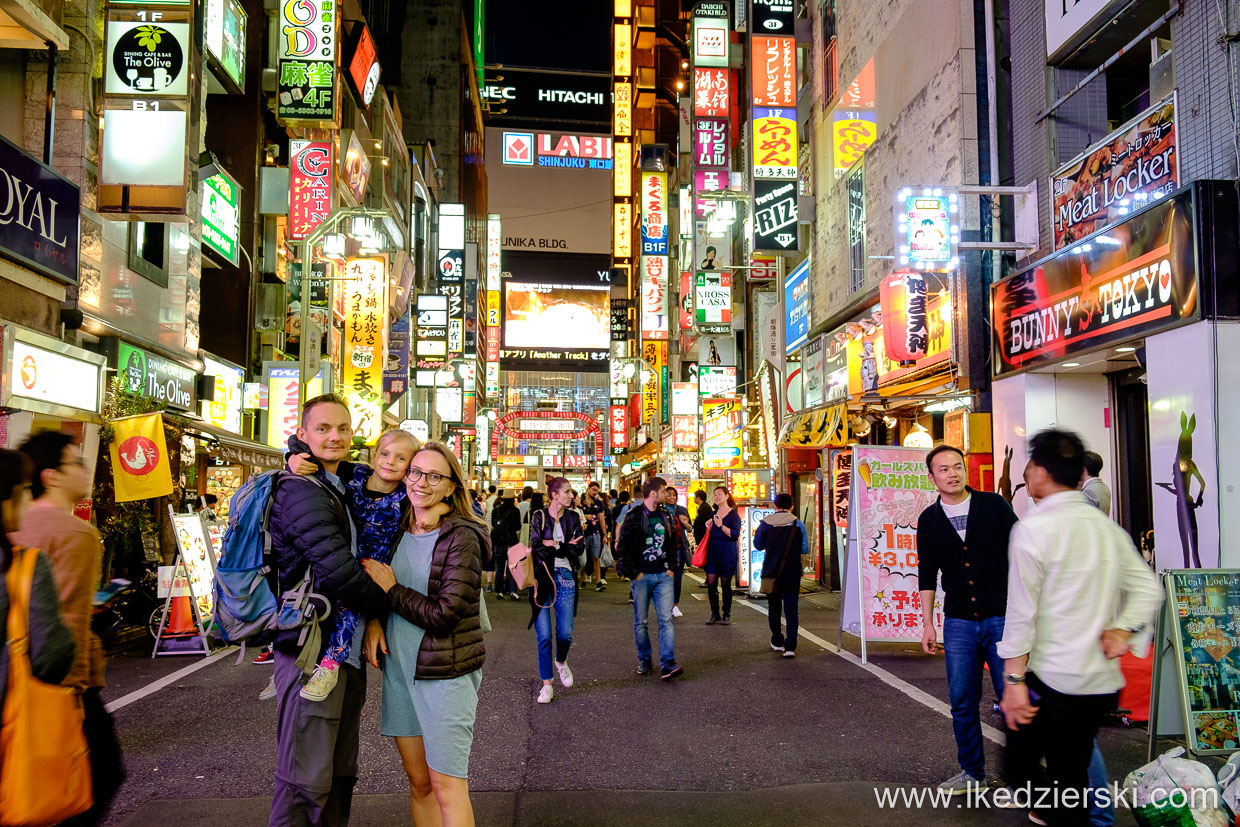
[[768, 583]]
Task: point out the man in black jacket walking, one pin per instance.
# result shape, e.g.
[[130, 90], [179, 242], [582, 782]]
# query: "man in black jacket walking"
[[316, 765], [647, 551], [964, 535]]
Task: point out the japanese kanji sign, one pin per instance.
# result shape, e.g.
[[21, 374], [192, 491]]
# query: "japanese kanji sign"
[[310, 186], [774, 71], [711, 95], [654, 298], [306, 65], [774, 143], [365, 343], [654, 213], [710, 143]]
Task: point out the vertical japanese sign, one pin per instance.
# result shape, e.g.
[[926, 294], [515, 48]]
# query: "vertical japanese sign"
[[622, 109], [685, 433], [396, 368], [710, 144], [721, 443], [306, 61], [654, 213], [654, 299], [622, 243], [686, 301], [890, 489], [713, 301], [619, 430], [774, 71], [711, 93], [655, 356], [710, 34], [365, 326], [495, 239], [310, 186], [774, 143]]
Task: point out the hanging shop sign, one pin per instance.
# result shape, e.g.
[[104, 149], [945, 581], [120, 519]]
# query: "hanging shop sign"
[[147, 57], [224, 410], [773, 17], [841, 485], [654, 213], [621, 330], [39, 218], [889, 489], [721, 443], [716, 381], [622, 178], [655, 356], [619, 428], [775, 72], [775, 215], [712, 97], [306, 62], [853, 131], [622, 229], [835, 366], [396, 369], [495, 240], [364, 68], [150, 375], [812, 379], [796, 308], [1128, 281], [139, 454], [711, 148], [927, 231], [310, 186], [872, 370], [49, 373], [906, 315], [710, 34], [763, 268], [713, 301], [684, 399], [622, 56], [356, 171], [686, 302], [1132, 166], [655, 322], [226, 27], [622, 111], [283, 405], [365, 343], [684, 433], [220, 224], [751, 485], [775, 143]]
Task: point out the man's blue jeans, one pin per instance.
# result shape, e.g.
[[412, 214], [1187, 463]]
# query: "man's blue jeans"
[[656, 587], [1099, 816], [565, 602], [966, 645]]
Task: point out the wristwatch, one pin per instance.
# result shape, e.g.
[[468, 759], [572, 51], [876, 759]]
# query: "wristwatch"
[[1014, 679]]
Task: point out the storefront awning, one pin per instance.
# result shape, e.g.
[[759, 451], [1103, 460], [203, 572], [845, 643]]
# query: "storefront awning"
[[233, 448], [815, 429]]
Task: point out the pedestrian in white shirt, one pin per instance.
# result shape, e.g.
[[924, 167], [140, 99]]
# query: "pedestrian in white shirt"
[[1077, 592]]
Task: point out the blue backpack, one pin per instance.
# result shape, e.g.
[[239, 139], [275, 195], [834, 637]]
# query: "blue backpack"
[[246, 609]]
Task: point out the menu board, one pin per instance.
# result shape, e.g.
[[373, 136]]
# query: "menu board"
[[192, 540], [1205, 615]]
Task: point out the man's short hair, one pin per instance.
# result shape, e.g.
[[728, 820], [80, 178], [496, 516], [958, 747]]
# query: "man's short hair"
[[45, 450], [491, 489], [941, 449], [653, 486], [783, 501], [527, 492], [624, 497], [1059, 453], [1093, 463], [700, 495], [211, 499], [324, 399]]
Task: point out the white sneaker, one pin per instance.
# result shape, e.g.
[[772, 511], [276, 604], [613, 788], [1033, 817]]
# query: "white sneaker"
[[321, 684], [602, 581], [676, 612], [269, 691], [546, 694], [775, 648], [962, 782], [566, 674]]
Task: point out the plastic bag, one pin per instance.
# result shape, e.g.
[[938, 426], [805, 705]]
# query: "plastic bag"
[[1229, 783], [1172, 791]]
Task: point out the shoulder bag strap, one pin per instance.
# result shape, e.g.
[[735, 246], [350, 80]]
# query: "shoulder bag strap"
[[787, 548]]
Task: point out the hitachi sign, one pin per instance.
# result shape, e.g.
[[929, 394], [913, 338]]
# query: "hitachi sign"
[[565, 96], [575, 146]]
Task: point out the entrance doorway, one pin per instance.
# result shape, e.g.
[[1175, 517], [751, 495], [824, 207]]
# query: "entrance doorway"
[[1135, 510]]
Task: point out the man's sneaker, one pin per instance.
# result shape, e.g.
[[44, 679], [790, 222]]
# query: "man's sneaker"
[[676, 612], [265, 656], [790, 653], [269, 691], [321, 684], [775, 648], [602, 581], [673, 671], [566, 674], [961, 783], [644, 668], [1034, 818], [490, 589], [630, 599], [600, 586], [546, 694], [514, 596], [712, 620], [726, 620]]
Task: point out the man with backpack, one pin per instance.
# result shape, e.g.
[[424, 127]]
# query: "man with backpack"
[[310, 529], [647, 551]]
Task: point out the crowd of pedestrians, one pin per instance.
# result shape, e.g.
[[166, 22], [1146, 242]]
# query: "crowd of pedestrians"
[[406, 552]]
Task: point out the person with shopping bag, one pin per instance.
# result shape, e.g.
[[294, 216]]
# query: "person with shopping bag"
[[44, 765], [557, 540]]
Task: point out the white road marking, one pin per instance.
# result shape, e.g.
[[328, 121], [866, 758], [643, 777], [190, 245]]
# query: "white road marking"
[[167, 680], [923, 698]]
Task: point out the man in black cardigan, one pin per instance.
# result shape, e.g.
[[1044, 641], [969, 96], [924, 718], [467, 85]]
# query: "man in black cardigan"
[[964, 536]]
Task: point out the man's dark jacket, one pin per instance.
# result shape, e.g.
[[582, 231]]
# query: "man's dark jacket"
[[310, 526], [632, 542], [975, 569]]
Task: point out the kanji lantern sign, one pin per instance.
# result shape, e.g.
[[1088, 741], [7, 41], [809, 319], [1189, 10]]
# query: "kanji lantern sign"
[[906, 318]]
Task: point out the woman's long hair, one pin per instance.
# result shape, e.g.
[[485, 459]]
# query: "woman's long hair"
[[14, 475], [458, 501], [724, 489]]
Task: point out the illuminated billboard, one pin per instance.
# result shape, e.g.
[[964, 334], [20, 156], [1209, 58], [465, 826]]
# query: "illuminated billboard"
[[550, 315]]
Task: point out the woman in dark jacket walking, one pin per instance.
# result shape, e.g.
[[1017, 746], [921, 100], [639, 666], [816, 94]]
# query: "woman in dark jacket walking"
[[433, 640], [722, 554], [505, 533], [557, 540]]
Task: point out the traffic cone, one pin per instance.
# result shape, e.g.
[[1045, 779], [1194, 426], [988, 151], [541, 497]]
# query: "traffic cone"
[[180, 618]]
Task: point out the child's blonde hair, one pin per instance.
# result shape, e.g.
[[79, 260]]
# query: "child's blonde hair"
[[396, 433]]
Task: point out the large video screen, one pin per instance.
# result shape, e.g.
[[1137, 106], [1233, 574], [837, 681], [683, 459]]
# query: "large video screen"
[[540, 315]]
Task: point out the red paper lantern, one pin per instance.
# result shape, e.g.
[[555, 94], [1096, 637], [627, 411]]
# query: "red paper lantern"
[[906, 318]]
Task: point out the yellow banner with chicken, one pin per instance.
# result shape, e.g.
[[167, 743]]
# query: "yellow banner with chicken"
[[140, 469]]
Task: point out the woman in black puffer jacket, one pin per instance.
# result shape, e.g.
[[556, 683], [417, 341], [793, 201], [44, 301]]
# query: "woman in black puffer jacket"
[[557, 540]]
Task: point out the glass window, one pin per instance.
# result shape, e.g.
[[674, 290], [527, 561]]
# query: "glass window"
[[856, 229]]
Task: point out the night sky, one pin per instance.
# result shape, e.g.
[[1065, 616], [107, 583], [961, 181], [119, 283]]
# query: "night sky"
[[552, 34]]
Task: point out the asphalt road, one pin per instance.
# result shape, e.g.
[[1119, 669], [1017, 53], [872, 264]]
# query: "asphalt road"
[[744, 737]]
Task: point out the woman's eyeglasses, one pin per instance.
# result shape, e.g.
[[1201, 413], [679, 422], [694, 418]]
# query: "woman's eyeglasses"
[[432, 478]]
